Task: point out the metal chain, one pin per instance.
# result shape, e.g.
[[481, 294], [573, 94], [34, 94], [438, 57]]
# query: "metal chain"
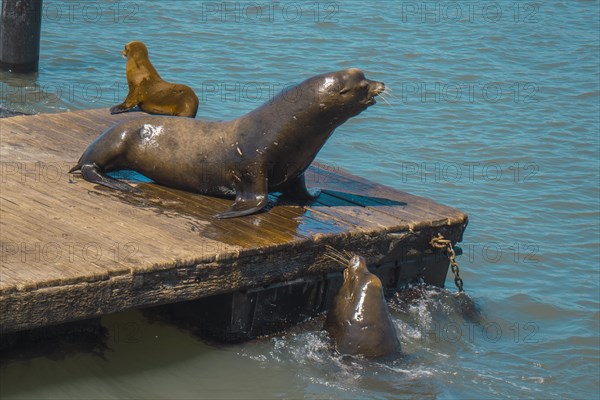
[[439, 242]]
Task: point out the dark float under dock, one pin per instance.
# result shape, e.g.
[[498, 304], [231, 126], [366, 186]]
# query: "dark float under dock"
[[73, 251]]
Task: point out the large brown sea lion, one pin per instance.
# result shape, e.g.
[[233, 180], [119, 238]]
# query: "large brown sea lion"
[[359, 320], [148, 91], [266, 150]]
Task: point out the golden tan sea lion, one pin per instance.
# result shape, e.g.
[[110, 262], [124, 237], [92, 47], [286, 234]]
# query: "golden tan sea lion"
[[148, 91]]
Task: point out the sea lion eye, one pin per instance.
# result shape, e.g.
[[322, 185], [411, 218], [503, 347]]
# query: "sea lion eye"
[[344, 91]]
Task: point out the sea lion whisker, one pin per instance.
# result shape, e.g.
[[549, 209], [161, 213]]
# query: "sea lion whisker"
[[336, 254], [349, 254], [332, 249], [336, 260], [346, 254], [382, 97], [388, 91], [342, 253]]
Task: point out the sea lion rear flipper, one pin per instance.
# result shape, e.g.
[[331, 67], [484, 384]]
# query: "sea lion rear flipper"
[[252, 196], [93, 173], [76, 167], [296, 190]]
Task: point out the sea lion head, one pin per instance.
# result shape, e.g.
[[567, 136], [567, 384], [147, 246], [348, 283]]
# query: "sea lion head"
[[135, 48], [138, 66], [347, 91], [357, 267]]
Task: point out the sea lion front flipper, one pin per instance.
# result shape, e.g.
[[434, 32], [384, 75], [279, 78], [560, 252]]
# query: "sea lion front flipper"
[[93, 173], [251, 197], [130, 101], [296, 190], [120, 108]]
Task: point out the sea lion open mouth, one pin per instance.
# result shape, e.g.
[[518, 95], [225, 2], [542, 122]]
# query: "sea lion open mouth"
[[375, 88]]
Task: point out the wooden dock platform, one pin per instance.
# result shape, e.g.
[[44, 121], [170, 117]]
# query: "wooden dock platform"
[[71, 250]]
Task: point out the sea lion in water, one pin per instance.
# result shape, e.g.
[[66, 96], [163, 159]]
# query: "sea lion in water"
[[266, 150], [149, 91], [359, 320]]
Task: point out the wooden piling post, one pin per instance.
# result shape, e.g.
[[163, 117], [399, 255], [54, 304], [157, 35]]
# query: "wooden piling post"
[[20, 26]]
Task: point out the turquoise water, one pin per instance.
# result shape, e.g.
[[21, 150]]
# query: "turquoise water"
[[495, 110]]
